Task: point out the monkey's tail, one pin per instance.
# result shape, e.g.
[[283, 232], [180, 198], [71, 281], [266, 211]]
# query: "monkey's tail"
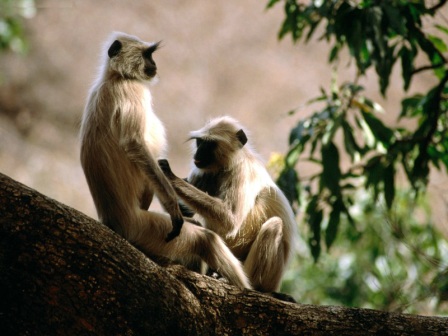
[[218, 256]]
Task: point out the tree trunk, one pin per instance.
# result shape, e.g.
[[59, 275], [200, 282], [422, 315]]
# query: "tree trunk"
[[63, 273]]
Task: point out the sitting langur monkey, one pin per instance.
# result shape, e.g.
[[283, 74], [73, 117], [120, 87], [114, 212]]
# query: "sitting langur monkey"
[[121, 138], [231, 190]]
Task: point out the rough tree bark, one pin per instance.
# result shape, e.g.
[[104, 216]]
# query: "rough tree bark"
[[63, 273]]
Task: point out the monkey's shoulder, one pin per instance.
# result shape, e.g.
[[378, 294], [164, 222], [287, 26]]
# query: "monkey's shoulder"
[[272, 198]]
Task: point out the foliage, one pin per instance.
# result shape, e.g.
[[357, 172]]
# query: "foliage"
[[376, 267], [12, 35], [378, 34]]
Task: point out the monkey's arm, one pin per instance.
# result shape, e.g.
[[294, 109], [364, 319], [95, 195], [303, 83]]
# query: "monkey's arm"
[[139, 154], [211, 208]]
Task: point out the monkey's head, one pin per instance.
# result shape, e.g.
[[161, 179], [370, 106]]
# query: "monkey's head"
[[131, 58], [218, 143]]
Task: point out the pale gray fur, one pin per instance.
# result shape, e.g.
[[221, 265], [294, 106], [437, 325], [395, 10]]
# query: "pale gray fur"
[[121, 138], [240, 201]]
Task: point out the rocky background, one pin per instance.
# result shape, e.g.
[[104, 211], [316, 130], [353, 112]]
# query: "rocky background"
[[218, 57]]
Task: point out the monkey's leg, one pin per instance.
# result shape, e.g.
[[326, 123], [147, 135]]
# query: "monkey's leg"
[[138, 152], [193, 240], [265, 262], [193, 263]]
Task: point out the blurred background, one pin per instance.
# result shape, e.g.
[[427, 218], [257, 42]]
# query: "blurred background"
[[218, 57]]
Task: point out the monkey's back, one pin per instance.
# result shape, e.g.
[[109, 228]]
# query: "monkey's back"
[[112, 114]]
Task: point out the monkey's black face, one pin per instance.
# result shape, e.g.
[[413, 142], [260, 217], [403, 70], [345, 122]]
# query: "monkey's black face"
[[205, 153], [150, 66]]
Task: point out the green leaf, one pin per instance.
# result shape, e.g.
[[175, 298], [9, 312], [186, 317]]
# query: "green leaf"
[[407, 66], [297, 133], [435, 155], [369, 138], [353, 88], [331, 173], [379, 130], [442, 28], [314, 219], [389, 184], [394, 18], [293, 155], [374, 17], [444, 150], [420, 171], [367, 105], [291, 22], [428, 47], [374, 172], [313, 26], [350, 144], [334, 53], [333, 224], [412, 106], [314, 145], [271, 3], [353, 33], [438, 43], [288, 182], [384, 67]]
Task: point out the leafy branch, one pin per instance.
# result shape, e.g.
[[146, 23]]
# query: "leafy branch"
[[377, 34]]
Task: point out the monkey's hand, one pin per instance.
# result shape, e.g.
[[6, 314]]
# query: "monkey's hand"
[[177, 226], [166, 169], [176, 216]]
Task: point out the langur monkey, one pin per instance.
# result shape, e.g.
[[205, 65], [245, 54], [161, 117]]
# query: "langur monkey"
[[231, 190], [121, 138]]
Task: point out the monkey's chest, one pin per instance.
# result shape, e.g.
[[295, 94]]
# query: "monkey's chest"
[[155, 138], [210, 184]]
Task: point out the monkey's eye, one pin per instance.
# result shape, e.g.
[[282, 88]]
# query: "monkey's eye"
[[199, 142], [147, 53]]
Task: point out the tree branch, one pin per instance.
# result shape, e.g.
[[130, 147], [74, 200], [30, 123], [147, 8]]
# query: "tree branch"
[[428, 67], [437, 6], [62, 273]]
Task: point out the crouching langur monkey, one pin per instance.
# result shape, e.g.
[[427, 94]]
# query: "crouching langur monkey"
[[121, 139], [232, 191]]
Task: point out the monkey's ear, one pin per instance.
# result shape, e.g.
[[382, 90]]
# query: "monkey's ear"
[[241, 136], [114, 49], [147, 53], [156, 46]]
